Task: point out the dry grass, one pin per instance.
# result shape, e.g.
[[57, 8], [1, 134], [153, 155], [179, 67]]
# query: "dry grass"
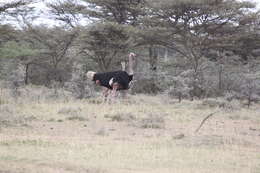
[[140, 135]]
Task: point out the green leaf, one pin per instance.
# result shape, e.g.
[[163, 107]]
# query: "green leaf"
[[14, 49]]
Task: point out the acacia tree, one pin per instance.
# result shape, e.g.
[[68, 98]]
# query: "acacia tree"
[[195, 27], [112, 16], [69, 12], [53, 45], [106, 44], [121, 12], [14, 6], [11, 47], [8, 9]]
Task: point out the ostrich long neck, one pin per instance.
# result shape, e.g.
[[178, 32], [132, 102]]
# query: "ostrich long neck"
[[131, 65]]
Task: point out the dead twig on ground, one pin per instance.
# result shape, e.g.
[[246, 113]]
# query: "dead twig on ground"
[[204, 120]]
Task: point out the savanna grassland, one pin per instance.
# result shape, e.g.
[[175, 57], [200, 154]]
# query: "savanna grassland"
[[141, 134]]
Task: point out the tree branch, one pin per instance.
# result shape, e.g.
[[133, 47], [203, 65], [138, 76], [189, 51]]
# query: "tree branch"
[[204, 120]]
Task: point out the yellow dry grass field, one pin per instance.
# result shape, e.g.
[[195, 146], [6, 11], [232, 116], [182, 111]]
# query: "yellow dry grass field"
[[142, 134]]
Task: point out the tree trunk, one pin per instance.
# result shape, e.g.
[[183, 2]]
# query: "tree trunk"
[[180, 97], [153, 58], [26, 78], [166, 52], [220, 84], [153, 61]]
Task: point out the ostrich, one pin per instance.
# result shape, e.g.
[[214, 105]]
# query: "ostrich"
[[115, 80]]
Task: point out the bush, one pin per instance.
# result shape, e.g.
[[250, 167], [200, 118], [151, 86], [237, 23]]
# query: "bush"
[[70, 111], [121, 117], [10, 116], [78, 85], [146, 86], [152, 121]]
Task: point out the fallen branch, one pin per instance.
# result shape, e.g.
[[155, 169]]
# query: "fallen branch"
[[204, 120]]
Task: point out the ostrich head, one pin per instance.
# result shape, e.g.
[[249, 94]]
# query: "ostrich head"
[[90, 75]]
